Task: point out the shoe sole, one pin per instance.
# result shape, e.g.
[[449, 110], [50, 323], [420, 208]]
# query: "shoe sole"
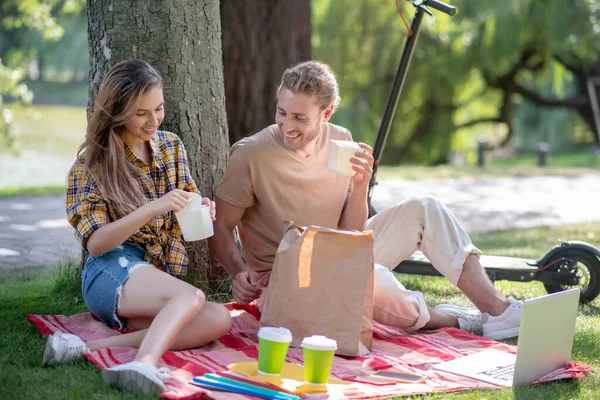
[[110, 376], [450, 309], [49, 353], [133, 381], [502, 334]]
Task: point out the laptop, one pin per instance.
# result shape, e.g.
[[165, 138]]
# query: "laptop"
[[544, 345]]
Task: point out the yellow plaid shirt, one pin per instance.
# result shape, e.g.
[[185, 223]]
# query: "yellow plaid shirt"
[[88, 209]]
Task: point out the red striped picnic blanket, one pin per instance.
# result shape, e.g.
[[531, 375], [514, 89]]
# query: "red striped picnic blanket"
[[392, 348]]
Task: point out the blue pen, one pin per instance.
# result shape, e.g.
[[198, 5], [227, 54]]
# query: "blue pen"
[[250, 386], [212, 384]]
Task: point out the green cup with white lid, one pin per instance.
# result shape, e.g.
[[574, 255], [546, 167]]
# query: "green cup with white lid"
[[273, 344], [318, 357]]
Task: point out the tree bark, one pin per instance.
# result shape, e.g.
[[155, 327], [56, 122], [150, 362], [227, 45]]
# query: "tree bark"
[[181, 39], [260, 40]]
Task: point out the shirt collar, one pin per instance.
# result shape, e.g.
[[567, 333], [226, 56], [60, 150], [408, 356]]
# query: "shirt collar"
[[154, 152]]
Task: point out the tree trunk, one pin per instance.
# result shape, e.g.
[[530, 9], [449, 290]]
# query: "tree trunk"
[[181, 39], [260, 40]]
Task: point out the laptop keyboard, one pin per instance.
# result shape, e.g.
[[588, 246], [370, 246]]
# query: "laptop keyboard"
[[505, 373]]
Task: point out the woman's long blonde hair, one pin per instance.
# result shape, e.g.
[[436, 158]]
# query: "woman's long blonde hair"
[[103, 147]]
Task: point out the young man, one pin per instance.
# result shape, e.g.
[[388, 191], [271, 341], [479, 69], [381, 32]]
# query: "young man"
[[281, 174]]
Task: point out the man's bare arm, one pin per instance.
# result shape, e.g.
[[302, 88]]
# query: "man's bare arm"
[[356, 211], [244, 281], [222, 243]]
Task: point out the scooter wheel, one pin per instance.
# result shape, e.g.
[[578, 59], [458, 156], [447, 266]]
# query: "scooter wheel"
[[587, 269]]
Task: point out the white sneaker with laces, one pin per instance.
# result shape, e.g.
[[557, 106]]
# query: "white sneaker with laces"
[[449, 308], [137, 376], [505, 325], [469, 319], [472, 323], [62, 348]]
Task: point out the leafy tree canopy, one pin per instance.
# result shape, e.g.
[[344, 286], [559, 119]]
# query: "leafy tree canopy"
[[474, 68], [24, 25]]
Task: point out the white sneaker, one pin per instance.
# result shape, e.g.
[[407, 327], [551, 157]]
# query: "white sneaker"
[[449, 308], [137, 376], [472, 323], [469, 319], [505, 325], [62, 348]]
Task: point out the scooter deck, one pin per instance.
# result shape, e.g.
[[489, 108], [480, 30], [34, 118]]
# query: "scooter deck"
[[492, 262]]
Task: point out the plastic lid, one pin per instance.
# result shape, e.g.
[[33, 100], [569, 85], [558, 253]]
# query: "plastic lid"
[[275, 334], [346, 143], [318, 342]]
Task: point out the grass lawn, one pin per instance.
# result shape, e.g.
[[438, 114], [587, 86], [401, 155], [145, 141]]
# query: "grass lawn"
[[577, 162], [414, 172], [21, 346], [50, 190], [56, 130]]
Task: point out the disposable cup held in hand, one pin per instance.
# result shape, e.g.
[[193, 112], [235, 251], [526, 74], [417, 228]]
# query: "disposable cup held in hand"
[[341, 152], [195, 220], [273, 345], [318, 358]]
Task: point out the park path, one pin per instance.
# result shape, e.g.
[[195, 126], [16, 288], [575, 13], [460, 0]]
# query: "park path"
[[34, 230]]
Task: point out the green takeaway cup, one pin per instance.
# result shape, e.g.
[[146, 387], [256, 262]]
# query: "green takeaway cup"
[[318, 357], [273, 345]]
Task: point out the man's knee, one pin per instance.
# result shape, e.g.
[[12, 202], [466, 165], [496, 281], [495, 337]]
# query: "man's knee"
[[420, 204], [396, 306]]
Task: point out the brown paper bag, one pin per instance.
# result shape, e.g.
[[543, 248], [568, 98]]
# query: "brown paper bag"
[[322, 284]]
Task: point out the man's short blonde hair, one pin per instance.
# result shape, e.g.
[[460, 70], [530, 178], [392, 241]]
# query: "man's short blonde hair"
[[312, 77]]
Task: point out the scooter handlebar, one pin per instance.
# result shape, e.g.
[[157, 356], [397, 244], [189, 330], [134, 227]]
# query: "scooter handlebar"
[[443, 7]]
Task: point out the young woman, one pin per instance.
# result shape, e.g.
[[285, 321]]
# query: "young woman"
[[123, 190]]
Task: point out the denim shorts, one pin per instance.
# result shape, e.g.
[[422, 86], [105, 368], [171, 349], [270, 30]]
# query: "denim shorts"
[[103, 278]]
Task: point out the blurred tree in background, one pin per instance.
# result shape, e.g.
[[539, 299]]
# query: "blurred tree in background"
[[182, 40], [31, 42], [515, 71], [260, 40], [469, 75]]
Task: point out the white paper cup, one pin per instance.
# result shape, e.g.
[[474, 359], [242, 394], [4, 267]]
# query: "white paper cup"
[[341, 151], [194, 220]]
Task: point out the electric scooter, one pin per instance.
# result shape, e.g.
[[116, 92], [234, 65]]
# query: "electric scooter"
[[568, 264]]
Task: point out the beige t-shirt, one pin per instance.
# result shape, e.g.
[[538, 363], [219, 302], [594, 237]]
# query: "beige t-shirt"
[[275, 185]]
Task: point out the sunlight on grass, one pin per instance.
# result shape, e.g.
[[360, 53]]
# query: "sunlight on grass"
[[49, 129], [506, 169], [528, 243], [67, 279], [21, 346], [50, 190]]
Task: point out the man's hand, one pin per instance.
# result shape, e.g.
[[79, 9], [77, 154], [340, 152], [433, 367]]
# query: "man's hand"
[[245, 287], [362, 163], [355, 211], [263, 278]]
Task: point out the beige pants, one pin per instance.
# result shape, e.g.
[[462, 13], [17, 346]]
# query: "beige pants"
[[419, 223]]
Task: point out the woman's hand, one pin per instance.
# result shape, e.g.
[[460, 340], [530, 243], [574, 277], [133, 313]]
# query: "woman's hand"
[[213, 207], [175, 200]]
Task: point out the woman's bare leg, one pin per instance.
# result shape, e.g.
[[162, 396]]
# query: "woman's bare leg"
[[171, 313], [194, 335]]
